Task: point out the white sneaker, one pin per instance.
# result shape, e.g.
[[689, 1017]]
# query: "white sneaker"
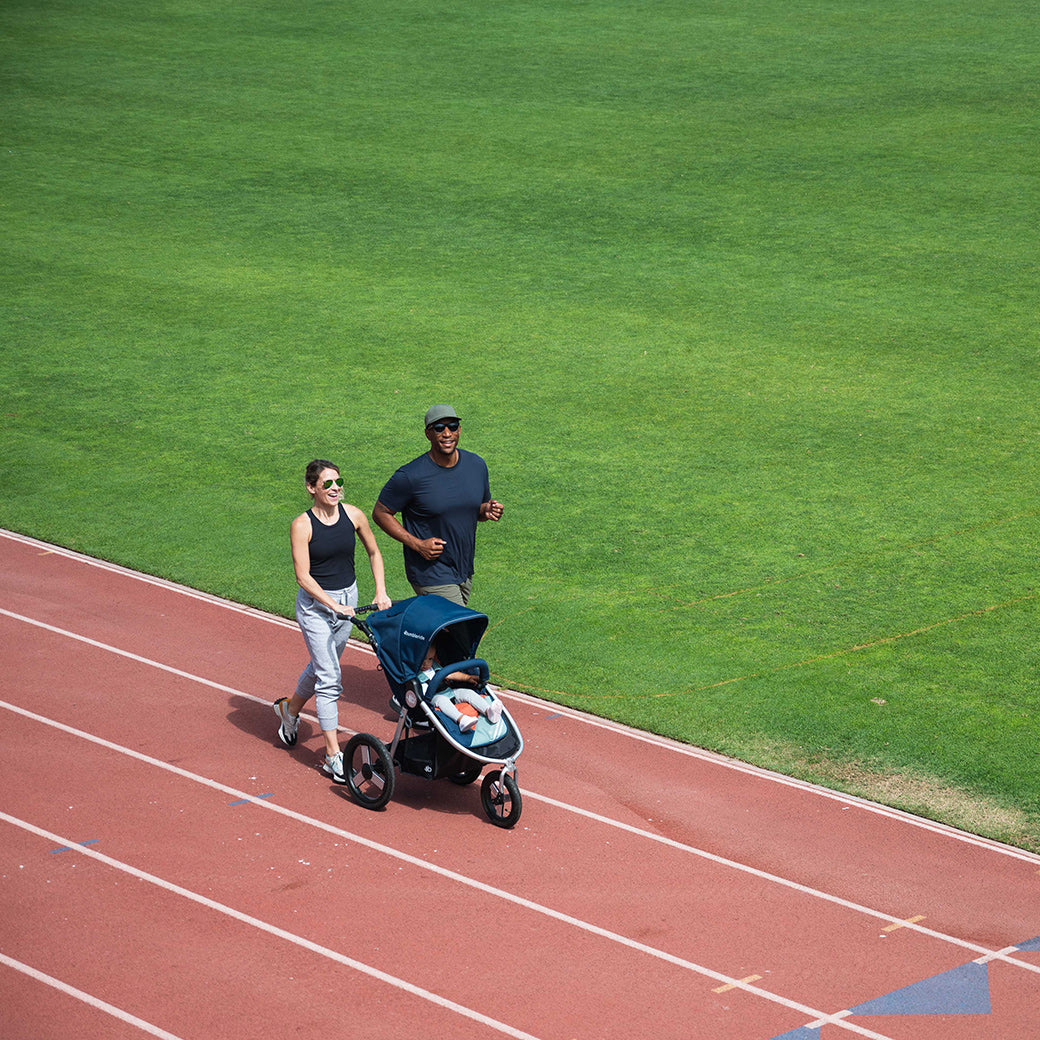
[[467, 722], [494, 712], [334, 767], [289, 723]]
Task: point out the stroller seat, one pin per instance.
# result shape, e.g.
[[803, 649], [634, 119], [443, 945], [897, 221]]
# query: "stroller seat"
[[481, 735]]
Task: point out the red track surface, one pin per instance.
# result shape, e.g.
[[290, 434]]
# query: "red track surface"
[[168, 868]]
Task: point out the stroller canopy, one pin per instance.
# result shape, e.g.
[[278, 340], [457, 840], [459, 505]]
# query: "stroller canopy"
[[402, 634]]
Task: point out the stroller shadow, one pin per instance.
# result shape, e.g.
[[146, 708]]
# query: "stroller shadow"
[[419, 795], [258, 721]]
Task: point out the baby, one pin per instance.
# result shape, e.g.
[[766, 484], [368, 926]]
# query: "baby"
[[446, 701]]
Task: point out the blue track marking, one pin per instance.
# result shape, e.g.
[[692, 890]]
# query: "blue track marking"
[[246, 801], [960, 991], [67, 848]]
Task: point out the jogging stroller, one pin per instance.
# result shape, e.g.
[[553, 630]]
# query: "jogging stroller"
[[427, 742]]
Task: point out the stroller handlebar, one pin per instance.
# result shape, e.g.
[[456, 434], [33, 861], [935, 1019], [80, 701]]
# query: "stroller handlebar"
[[359, 610]]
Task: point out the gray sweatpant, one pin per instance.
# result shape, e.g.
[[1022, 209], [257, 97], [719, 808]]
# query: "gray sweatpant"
[[325, 635]]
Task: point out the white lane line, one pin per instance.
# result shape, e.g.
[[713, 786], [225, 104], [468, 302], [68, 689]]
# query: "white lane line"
[[433, 868], [648, 835], [87, 998], [270, 929], [121, 653], [145, 579], [238, 915], [709, 757], [911, 924]]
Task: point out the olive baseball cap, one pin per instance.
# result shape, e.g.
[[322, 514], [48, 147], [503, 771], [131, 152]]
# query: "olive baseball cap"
[[438, 412]]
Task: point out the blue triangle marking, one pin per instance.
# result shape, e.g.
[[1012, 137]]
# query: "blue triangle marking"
[[801, 1033], [1030, 944], [961, 991]]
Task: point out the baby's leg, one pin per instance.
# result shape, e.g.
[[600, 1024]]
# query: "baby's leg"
[[485, 705], [471, 697], [443, 703], [449, 708]]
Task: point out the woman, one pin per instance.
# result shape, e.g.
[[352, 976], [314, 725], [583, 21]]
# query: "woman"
[[323, 541]]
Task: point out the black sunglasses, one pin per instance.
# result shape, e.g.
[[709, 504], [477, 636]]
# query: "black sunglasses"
[[326, 484], [451, 424]]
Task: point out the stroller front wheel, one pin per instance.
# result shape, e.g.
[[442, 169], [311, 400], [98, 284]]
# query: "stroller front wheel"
[[369, 770], [500, 796]]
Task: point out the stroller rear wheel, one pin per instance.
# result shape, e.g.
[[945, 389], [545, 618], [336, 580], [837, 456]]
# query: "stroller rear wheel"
[[369, 771], [500, 796]]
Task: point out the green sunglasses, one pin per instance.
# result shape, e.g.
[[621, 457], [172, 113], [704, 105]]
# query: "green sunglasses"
[[326, 484]]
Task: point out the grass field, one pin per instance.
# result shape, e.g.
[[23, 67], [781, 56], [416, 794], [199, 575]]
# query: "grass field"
[[738, 302]]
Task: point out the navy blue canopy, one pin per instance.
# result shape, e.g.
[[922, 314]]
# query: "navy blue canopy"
[[402, 634]]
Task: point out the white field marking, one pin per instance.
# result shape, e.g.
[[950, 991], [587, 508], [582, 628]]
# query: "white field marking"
[[281, 933], [421, 864], [894, 922], [688, 751], [943, 830], [146, 579], [87, 998], [588, 814]]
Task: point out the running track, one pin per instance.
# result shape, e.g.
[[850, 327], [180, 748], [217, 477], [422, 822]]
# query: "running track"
[[169, 869]]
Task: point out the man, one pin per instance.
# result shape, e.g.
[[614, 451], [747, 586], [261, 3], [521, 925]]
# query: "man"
[[441, 496]]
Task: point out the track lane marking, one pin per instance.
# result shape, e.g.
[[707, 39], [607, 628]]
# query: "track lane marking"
[[727, 988], [775, 879], [896, 925], [577, 810], [451, 875], [711, 758], [281, 933], [87, 998]]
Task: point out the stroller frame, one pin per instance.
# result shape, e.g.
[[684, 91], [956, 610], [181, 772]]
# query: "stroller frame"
[[425, 743]]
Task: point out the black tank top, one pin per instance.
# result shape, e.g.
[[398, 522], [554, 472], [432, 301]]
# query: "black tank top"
[[332, 551]]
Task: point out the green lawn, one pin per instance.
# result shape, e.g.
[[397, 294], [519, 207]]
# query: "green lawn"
[[738, 302]]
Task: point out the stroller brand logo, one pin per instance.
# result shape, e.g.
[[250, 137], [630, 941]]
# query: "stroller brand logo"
[[413, 635]]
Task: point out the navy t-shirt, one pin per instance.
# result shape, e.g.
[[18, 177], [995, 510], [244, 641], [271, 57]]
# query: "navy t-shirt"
[[440, 502]]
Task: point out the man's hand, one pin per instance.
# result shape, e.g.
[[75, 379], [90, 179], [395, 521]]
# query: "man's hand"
[[491, 510], [430, 548]]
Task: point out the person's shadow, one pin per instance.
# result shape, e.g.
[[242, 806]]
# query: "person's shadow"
[[361, 687], [367, 689]]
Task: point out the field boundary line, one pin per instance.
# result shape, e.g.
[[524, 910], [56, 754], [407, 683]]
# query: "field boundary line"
[[87, 998], [775, 879], [714, 758], [271, 929], [147, 579]]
